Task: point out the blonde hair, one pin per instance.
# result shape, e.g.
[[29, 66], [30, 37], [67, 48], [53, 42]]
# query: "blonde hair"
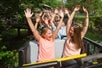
[[44, 30]]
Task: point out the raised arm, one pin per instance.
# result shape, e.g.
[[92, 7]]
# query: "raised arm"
[[37, 21], [86, 23], [67, 12], [69, 23], [53, 14], [59, 24], [28, 15]]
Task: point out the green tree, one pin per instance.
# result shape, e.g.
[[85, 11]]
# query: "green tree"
[[53, 3]]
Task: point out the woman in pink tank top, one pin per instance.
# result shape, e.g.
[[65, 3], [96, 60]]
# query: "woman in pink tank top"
[[46, 39], [75, 34]]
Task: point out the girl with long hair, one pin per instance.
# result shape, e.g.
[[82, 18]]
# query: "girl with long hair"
[[75, 35]]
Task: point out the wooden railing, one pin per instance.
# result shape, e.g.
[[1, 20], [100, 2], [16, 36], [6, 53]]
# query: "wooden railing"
[[92, 47], [94, 54]]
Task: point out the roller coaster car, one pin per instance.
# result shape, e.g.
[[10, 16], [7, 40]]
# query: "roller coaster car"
[[28, 56], [28, 53]]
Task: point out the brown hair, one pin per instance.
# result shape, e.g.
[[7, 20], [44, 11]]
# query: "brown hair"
[[46, 16], [44, 30], [77, 36]]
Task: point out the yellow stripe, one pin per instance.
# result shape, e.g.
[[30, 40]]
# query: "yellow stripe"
[[59, 59], [72, 57]]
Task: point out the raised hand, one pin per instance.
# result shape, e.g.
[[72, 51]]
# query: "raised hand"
[[56, 11], [77, 8], [85, 10], [28, 13], [66, 11], [61, 13], [40, 14], [37, 19]]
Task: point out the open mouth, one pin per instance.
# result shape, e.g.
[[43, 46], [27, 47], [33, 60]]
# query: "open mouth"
[[50, 36]]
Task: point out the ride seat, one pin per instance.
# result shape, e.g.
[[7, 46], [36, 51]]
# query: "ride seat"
[[29, 52]]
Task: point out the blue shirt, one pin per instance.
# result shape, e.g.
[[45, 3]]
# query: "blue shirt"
[[62, 32]]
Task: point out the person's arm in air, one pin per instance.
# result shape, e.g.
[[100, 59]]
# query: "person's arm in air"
[[37, 22], [28, 15], [59, 24], [69, 23], [86, 23], [53, 14], [67, 12], [38, 19]]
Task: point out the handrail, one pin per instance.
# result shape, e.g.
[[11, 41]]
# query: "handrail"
[[93, 42], [52, 62], [98, 56], [72, 57], [91, 46]]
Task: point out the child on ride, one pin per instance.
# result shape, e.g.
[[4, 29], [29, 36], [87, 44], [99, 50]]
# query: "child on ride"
[[45, 39], [75, 35]]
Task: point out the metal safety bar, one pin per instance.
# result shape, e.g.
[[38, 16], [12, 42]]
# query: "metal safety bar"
[[55, 63]]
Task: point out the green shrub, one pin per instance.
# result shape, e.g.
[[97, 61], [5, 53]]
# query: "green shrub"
[[8, 58]]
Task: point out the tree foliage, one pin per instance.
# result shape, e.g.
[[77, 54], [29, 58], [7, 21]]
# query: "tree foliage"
[[12, 11], [95, 10], [12, 17]]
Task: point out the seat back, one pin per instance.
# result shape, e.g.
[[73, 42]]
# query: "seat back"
[[59, 45], [33, 51], [29, 52]]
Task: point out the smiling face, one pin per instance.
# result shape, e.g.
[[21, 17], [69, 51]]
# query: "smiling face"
[[71, 31], [46, 33], [75, 33], [74, 30]]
